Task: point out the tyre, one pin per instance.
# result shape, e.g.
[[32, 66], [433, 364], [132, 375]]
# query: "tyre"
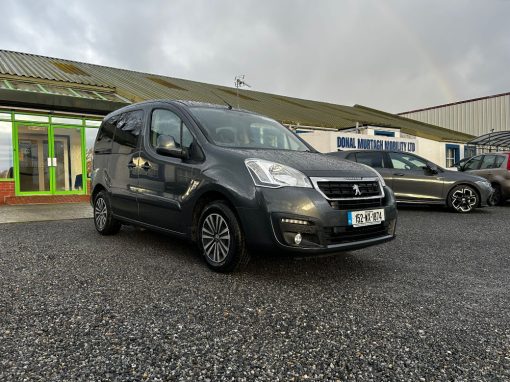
[[104, 221], [463, 198], [220, 238], [497, 197]]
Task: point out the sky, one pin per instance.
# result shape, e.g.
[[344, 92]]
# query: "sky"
[[393, 55]]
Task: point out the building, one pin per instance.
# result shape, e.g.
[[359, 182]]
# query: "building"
[[475, 117], [50, 110]]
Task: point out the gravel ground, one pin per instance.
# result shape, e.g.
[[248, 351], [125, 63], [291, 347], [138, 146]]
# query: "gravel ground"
[[432, 305]]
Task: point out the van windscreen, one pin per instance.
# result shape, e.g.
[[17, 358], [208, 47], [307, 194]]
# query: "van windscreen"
[[231, 128]]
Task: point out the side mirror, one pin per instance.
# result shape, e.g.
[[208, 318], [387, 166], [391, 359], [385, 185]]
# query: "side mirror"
[[166, 145]]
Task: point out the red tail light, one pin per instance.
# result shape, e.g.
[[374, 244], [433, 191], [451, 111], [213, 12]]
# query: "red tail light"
[[508, 163]]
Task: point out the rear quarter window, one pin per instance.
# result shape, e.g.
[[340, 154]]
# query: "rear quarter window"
[[104, 139], [127, 130]]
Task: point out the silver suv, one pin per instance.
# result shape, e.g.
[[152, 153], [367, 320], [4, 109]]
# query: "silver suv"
[[495, 167]]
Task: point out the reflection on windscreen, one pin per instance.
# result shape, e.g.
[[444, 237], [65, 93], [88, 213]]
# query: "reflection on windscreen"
[[230, 128]]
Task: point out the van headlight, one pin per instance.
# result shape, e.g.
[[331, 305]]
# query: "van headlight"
[[275, 175]]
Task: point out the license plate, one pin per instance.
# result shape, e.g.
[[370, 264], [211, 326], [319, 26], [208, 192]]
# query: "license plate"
[[367, 217]]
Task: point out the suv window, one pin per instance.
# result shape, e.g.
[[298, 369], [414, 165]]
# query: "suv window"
[[473, 163], [127, 129], [488, 161], [403, 161], [165, 122], [373, 159], [499, 161]]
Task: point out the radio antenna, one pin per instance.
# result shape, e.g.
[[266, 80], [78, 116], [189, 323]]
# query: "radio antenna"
[[229, 105]]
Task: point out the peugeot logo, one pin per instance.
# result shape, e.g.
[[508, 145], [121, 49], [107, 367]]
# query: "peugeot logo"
[[356, 190]]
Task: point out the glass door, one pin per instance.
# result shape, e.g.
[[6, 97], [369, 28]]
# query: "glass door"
[[49, 159], [68, 160], [33, 161]]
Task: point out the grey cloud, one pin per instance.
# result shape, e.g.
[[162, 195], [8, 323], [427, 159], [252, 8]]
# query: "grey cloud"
[[388, 54]]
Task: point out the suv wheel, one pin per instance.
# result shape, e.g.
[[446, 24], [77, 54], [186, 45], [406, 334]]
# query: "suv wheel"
[[104, 221], [462, 198], [221, 239]]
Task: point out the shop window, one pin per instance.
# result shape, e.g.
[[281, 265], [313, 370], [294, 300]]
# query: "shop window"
[[90, 138], [5, 116], [384, 133], [57, 90], [92, 123], [25, 86], [6, 154], [66, 121], [31, 118]]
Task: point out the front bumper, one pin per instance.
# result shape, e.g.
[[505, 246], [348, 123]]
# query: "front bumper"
[[283, 213]]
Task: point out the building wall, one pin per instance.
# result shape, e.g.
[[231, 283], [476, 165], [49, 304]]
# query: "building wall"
[[434, 151], [476, 117]]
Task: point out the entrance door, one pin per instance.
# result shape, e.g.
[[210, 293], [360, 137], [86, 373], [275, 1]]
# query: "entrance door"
[[33, 159], [68, 160], [49, 160]]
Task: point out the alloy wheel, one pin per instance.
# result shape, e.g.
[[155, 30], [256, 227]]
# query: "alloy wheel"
[[464, 199], [215, 237], [100, 213]]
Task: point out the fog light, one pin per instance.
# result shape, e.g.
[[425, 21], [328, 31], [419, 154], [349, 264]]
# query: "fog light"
[[297, 239]]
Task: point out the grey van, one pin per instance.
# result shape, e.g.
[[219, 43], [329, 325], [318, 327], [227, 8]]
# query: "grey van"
[[231, 180]]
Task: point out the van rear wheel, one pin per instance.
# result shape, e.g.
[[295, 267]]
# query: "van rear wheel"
[[220, 238], [104, 221]]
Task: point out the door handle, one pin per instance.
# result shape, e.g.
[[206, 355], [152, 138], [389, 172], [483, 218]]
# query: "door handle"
[[131, 164], [398, 174], [146, 166]]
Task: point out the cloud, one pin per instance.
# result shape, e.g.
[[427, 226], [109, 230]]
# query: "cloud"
[[392, 55]]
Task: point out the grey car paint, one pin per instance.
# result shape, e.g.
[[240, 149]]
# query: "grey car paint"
[[430, 185]]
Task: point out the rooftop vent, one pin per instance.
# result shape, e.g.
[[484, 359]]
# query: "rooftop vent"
[[166, 83], [292, 102], [70, 68], [231, 92]]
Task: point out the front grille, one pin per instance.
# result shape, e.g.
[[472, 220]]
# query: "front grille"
[[341, 235], [356, 204], [347, 189]]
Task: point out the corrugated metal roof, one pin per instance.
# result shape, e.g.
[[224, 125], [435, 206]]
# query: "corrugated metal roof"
[[138, 86]]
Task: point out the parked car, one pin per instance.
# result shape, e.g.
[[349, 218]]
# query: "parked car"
[[495, 167], [417, 180], [229, 180], [457, 165]]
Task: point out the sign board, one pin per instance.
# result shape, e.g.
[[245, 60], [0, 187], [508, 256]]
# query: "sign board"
[[350, 141]]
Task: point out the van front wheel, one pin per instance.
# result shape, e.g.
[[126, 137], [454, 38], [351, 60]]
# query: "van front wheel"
[[221, 239]]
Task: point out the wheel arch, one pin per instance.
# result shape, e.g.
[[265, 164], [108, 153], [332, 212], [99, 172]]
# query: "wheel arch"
[[203, 200]]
